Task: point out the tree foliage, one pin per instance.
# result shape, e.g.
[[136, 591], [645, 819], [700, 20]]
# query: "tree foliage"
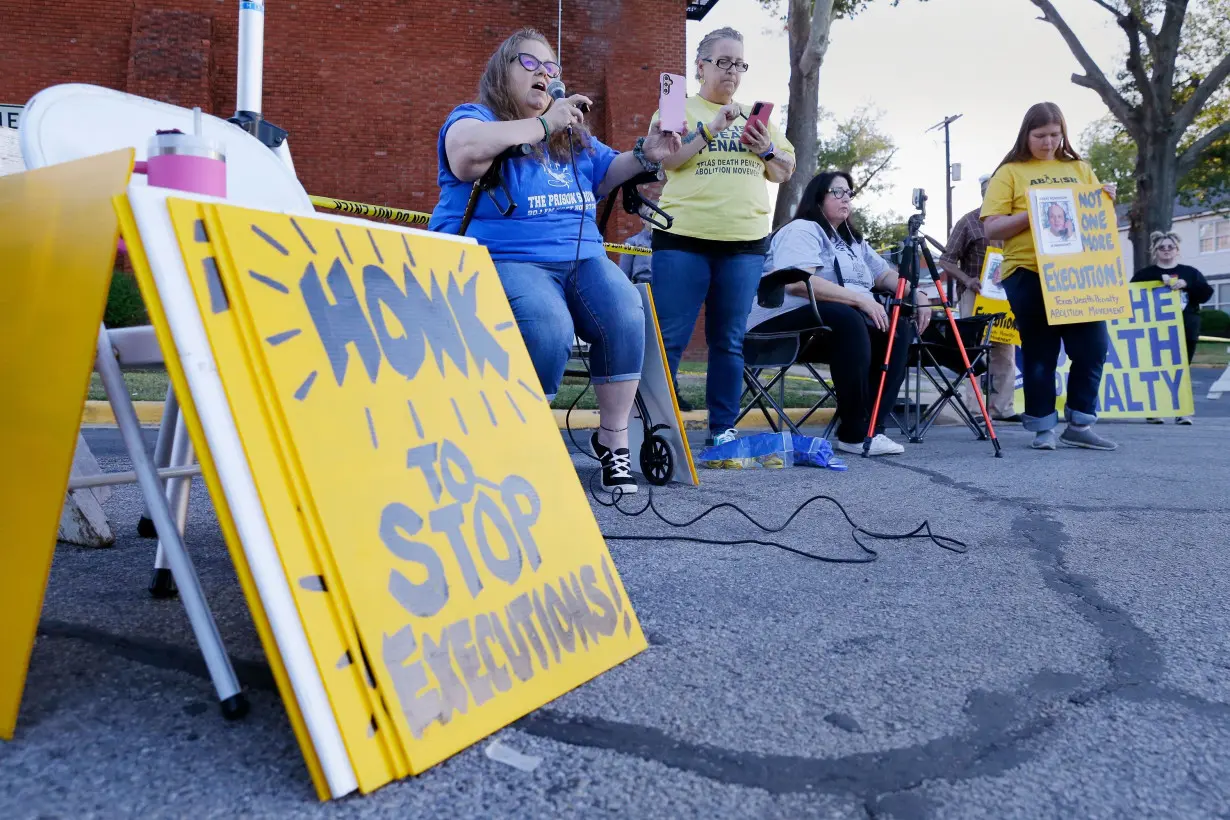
[[808, 23], [1171, 102], [857, 145]]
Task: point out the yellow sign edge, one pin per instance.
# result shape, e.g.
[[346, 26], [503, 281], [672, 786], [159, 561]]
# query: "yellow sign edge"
[[209, 471]]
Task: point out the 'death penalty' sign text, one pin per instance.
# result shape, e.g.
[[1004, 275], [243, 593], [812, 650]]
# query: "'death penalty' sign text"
[[435, 484], [1146, 374]]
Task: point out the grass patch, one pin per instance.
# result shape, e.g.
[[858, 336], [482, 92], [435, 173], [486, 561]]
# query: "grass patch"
[[1212, 353], [151, 385], [143, 385], [691, 390]]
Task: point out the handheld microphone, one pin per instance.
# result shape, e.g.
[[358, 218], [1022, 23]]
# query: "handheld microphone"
[[556, 89]]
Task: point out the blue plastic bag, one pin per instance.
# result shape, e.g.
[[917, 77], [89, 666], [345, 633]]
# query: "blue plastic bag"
[[810, 451], [771, 451]]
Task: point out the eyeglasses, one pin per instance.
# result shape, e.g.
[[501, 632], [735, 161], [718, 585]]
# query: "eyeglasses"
[[725, 63], [841, 193], [531, 63], [1167, 248]]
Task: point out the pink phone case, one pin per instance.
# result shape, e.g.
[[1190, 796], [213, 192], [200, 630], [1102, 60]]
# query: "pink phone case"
[[672, 101]]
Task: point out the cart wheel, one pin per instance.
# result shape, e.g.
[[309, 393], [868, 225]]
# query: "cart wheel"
[[657, 461]]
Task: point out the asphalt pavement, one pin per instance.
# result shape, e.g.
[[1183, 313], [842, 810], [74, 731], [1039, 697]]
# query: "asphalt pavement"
[[1073, 662]]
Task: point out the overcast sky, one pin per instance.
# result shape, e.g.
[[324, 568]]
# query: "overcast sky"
[[988, 60]]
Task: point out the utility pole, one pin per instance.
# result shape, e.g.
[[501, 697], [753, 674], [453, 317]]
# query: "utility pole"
[[947, 121]]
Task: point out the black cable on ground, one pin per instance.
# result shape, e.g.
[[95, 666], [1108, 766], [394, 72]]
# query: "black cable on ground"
[[922, 531]]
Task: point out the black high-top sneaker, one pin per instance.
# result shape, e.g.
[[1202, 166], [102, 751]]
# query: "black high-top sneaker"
[[616, 467]]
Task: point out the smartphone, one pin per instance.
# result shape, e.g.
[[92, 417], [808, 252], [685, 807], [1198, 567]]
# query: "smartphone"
[[760, 113], [672, 102]]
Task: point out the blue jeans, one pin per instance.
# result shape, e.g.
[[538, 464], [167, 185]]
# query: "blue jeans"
[[1084, 342], [726, 286], [593, 299]]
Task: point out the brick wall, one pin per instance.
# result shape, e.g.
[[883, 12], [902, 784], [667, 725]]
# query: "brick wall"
[[362, 87]]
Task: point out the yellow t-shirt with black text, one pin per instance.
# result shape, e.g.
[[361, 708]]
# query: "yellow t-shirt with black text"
[[721, 193], [1008, 194]]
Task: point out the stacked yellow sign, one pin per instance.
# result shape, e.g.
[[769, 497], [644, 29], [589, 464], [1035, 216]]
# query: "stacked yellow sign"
[[418, 553]]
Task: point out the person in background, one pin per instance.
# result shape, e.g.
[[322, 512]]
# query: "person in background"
[[718, 195], [845, 273], [548, 253], [640, 269], [1194, 289], [962, 260], [1043, 157]]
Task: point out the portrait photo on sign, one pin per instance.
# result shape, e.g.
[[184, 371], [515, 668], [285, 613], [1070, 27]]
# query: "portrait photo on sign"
[[1055, 210], [992, 276]]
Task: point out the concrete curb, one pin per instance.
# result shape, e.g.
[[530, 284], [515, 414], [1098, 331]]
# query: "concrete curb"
[[98, 413]]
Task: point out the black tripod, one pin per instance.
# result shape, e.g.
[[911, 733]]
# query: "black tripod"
[[914, 248]]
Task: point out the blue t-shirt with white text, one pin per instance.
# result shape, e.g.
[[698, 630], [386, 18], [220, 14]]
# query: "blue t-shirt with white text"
[[546, 222]]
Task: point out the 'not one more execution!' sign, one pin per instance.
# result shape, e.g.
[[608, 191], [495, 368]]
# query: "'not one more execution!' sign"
[[1080, 261]]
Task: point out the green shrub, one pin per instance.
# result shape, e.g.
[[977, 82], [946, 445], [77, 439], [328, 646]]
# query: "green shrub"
[[124, 305], [1215, 323]]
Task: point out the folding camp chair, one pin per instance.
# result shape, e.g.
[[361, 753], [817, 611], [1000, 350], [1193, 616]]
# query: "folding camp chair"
[[777, 352], [937, 356]]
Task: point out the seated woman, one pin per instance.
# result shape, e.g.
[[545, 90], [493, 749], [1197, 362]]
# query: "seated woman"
[[845, 273], [548, 252]]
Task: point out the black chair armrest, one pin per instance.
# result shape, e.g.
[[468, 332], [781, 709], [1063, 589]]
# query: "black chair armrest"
[[629, 192], [771, 292]]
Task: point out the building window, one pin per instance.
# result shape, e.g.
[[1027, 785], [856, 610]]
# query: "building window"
[[1221, 297], [1215, 236]]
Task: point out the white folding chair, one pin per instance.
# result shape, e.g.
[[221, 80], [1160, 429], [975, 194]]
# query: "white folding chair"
[[73, 121]]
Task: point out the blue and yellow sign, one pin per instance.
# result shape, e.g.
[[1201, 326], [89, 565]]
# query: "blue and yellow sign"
[[429, 503], [1146, 374]]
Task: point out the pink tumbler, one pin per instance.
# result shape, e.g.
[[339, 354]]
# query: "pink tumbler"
[[186, 162]]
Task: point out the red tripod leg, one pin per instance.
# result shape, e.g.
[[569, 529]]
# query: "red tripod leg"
[[969, 369], [888, 353]]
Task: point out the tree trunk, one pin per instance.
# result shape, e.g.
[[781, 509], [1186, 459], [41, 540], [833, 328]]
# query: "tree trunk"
[[1156, 182], [808, 29]]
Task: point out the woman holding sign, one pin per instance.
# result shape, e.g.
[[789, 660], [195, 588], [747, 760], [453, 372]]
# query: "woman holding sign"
[[1044, 158], [1194, 289], [548, 252]]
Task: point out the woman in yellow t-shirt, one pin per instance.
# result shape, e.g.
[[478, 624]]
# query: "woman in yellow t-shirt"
[[717, 194], [1043, 158]]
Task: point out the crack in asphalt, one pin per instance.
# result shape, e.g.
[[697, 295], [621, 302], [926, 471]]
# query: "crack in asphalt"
[[982, 494], [1001, 735]]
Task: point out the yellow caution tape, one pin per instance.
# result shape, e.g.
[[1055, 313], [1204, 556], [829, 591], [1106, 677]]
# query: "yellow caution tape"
[[631, 250], [404, 217], [345, 206]]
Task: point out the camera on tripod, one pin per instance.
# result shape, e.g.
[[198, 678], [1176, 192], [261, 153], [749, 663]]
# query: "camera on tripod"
[[920, 199]]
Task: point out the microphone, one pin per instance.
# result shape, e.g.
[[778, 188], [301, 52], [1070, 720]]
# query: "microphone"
[[556, 89]]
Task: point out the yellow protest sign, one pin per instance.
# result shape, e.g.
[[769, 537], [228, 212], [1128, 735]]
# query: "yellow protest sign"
[[992, 298], [1080, 262], [432, 480], [200, 265], [1146, 373], [58, 235]]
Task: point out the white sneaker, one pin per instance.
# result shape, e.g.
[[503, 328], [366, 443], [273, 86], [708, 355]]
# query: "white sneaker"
[[881, 445], [725, 437]]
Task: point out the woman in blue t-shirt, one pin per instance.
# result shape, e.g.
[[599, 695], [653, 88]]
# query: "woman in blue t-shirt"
[[548, 252]]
